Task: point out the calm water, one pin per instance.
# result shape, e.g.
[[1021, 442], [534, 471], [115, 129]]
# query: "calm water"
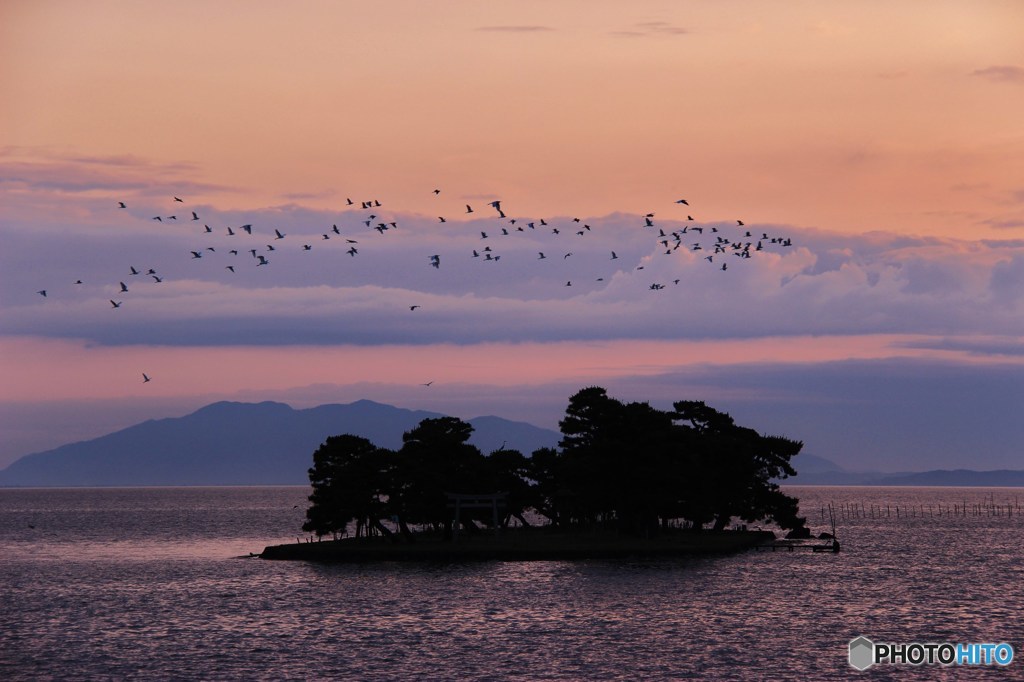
[[147, 583]]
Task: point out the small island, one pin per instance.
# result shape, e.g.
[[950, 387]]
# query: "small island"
[[626, 480]]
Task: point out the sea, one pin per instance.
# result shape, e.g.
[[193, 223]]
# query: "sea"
[[159, 584]]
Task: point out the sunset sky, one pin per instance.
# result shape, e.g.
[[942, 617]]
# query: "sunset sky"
[[878, 145]]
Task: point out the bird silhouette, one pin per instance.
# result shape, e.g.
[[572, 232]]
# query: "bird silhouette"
[[42, 292], [469, 209], [177, 199], [413, 307], [145, 378], [120, 204], [124, 287], [115, 304]]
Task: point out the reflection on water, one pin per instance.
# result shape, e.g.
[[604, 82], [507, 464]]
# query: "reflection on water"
[[143, 583]]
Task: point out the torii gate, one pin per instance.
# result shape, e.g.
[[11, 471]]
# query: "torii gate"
[[485, 501]]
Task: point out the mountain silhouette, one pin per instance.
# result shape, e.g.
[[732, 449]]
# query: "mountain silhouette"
[[232, 443]]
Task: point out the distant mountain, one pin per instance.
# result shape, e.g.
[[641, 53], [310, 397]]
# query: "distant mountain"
[[269, 443], [230, 443], [1009, 478], [805, 463]]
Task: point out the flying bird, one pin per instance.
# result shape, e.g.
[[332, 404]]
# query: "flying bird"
[[194, 216], [469, 209], [279, 234], [683, 201], [115, 304], [263, 261], [120, 204], [177, 199], [413, 307], [145, 378], [42, 292], [124, 287]]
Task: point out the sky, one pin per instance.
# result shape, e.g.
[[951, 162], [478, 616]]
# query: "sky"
[[860, 167]]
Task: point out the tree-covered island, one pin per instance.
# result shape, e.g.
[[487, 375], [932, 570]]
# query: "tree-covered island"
[[625, 471]]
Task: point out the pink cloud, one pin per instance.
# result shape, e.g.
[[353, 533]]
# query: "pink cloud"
[[1001, 74]]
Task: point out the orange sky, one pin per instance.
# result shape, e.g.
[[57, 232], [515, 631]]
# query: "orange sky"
[[843, 116], [827, 119]]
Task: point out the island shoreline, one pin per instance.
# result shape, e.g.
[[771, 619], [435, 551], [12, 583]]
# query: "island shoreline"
[[520, 545]]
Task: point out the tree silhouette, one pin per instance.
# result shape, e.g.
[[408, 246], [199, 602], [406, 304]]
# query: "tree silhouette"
[[622, 466], [347, 486], [435, 459]]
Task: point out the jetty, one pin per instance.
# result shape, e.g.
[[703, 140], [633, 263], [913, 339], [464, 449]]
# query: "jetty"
[[523, 544]]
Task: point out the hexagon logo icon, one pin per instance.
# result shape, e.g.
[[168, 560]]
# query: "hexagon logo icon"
[[862, 653]]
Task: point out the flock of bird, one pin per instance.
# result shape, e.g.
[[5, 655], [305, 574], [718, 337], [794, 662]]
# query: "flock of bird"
[[714, 246]]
